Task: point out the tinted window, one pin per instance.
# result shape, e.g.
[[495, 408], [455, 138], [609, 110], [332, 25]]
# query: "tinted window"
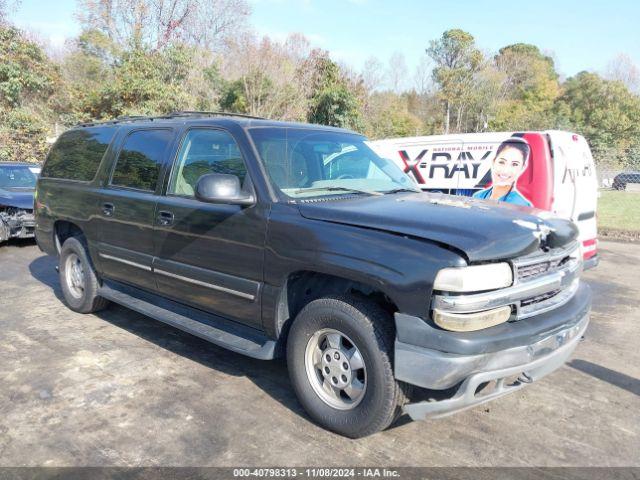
[[205, 151], [77, 153], [139, 162]]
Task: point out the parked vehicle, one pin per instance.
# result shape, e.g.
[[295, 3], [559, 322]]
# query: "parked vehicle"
[[621, 180], [559, 176], [17, 185], [272, 239]]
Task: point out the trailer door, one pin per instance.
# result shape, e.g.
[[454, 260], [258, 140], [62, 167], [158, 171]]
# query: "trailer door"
[[575, 185]]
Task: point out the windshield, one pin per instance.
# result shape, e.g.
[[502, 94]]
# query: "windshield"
[[305, 162], [16, 177]]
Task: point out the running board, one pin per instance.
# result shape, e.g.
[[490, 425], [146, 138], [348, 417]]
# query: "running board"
[[220, 331]]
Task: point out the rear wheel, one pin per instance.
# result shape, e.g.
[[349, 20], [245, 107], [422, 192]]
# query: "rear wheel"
[[78, 278], [339, 355]]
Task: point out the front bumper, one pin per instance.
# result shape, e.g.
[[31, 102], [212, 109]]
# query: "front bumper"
[[591, 262], [19, 225], [490, 358]]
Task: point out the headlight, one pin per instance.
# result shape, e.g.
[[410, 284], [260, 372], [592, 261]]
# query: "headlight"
[[475, 278], [468, 322]]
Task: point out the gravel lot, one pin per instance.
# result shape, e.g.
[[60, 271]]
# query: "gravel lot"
[[120, 389]]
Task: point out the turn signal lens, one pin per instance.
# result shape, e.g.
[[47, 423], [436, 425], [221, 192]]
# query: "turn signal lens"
[[468, 322], [474, 278]]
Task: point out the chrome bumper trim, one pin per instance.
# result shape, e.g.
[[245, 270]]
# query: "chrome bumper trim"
[[125, 262], [562, 280], [556, 301], [193, 281]]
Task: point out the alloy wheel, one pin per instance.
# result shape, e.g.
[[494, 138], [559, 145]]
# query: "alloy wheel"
[[335, 369], [74, 275]]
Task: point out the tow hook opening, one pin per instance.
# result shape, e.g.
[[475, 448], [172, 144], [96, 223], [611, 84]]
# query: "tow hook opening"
[[524, 378], [499, 385]]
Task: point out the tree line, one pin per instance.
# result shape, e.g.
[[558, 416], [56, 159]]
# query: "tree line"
[[152, 57]]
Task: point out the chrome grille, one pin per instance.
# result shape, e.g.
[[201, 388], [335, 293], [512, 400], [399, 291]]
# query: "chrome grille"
[[539, 298], [528, 268], [542, 282], [560, 297], [528, 271], [532, 271]]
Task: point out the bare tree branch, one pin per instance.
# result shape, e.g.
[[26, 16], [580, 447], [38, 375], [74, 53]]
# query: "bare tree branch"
[[155, 24]]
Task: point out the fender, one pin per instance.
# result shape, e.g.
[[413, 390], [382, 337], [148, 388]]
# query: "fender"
[[401, 267]]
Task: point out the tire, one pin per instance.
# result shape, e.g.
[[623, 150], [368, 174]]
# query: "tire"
[[368, 328], [80, 290], [619, 185]]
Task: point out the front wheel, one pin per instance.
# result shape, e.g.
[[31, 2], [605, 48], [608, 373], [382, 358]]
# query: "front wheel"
[[339, 355]]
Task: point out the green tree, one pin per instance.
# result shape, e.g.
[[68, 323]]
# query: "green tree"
[[256, 85], [333, 101], [389, 116], [606, 113], [457, 61], [29, 83], [530, 88], [23, 136], [26, 73], [138, 82]]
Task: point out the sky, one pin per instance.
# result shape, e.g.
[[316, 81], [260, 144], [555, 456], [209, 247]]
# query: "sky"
[[580, 34]]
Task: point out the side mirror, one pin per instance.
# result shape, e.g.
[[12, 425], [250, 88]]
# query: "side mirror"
[[221, 188]]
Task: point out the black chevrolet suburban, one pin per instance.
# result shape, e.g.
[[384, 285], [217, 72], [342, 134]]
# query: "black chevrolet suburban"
[[284, 239]]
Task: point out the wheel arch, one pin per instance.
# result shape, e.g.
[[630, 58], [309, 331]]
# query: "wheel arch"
[[63, 229], [303, 286]]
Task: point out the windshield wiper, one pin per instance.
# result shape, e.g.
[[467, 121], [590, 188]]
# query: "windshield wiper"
[[335, 189], [400, 190]]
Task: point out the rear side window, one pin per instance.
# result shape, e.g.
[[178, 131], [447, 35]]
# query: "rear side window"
[[139, 162], [77, 154]]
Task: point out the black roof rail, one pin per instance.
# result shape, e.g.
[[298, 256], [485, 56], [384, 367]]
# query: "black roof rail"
[[181, 113], [202, 113], [123, 119]]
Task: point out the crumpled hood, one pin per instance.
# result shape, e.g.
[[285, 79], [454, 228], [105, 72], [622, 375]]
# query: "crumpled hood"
[[17, 197], [480, 229]]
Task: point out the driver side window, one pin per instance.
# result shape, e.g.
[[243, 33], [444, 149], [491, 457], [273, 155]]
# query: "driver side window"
[[205, 151]]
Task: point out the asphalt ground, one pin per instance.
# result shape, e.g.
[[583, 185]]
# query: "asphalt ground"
[[120, 389]]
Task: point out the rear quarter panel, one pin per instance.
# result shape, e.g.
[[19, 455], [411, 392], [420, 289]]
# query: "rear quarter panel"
[[72, 201]]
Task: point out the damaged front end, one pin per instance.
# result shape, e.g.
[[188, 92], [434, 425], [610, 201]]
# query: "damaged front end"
[[16, 223]]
